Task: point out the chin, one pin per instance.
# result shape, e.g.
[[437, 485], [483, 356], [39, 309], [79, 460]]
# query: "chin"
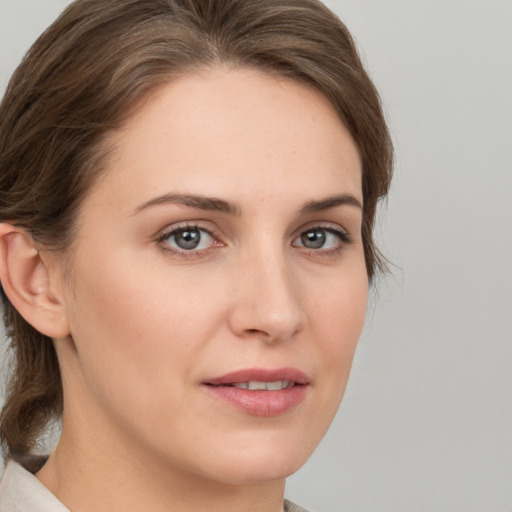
[[257, 470], [259, 460]]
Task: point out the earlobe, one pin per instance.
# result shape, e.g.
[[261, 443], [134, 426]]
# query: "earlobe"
[[27, 283]]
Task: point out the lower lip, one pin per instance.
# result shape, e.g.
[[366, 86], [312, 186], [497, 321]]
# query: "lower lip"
[[260, 403]]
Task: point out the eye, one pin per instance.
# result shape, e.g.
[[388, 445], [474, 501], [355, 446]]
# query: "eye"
[[189, 238], [322, 238]]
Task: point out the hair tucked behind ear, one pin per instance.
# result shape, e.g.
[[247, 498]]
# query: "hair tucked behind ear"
[[88, 73]]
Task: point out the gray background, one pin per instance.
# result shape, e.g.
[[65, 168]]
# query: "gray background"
[[426, 424]]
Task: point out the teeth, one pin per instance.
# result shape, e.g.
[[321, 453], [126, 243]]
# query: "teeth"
[[262, 386], [257, 386], [275, 386]]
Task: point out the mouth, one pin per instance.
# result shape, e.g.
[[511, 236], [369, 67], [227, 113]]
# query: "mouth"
[[260, 379], [260, 392], [255, 385]]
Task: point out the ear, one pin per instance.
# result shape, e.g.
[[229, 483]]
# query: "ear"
[[28, 284]]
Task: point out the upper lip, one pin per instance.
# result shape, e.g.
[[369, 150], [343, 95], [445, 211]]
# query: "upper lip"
[[260, 375]]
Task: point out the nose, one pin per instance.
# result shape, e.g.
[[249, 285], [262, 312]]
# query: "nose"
[[267, 302]]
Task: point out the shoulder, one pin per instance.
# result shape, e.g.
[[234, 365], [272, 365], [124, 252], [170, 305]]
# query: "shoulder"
[[21, 491], [288, 507]]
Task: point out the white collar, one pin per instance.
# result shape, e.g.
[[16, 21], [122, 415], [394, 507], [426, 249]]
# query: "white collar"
[[21, 491]]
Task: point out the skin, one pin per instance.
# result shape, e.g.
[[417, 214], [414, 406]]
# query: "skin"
[[147, 322]]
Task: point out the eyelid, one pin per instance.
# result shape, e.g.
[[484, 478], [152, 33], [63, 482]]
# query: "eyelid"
[[331, 227], [199, 224]]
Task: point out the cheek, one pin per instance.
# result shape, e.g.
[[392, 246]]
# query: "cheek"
[[138, 320], [336, 321], [341, 309], [136, 337]]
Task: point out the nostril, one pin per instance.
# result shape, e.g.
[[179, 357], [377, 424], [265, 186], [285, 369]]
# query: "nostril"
[[259, 332]]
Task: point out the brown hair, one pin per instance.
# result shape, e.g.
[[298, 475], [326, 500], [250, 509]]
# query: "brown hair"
[[85, 76]]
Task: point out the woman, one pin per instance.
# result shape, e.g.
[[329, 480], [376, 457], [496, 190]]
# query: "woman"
[[188, 190]]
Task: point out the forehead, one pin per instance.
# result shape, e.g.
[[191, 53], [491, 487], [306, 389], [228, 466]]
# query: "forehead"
[[238, 132]]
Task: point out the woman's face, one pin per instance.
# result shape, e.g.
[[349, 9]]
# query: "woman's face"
[[220, 252]]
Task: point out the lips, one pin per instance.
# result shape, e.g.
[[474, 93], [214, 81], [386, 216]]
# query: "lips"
[[260, 392], [260, 375]]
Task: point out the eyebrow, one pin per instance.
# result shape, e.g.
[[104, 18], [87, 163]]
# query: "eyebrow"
[[194, 201], [331, 202], [220, 205]]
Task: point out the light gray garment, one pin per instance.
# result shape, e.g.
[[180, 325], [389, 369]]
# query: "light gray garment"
[[21, 491], [289, 507]]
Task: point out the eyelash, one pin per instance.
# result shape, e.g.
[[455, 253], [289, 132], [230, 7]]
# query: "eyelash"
[[344, 237]]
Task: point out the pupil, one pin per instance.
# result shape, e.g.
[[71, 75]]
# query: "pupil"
[[188, 239], [313, 239]]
